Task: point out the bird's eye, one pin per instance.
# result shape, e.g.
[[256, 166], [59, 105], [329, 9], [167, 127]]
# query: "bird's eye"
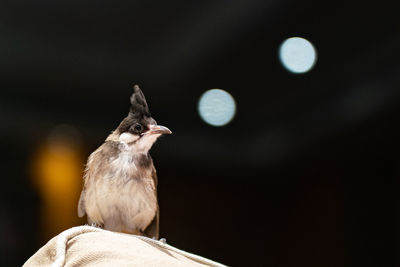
[[138, 127]]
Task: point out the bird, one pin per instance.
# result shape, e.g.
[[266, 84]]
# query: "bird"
[[120, 181]]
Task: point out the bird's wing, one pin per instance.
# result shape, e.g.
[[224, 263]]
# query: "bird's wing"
[[153, 229], [81, 205], [88, 202], [87, 173]]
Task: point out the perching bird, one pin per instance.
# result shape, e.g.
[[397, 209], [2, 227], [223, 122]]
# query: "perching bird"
[[120, 181]]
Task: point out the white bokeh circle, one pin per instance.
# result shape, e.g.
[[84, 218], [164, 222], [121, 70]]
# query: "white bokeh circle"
[[297, 55], [217, 107]]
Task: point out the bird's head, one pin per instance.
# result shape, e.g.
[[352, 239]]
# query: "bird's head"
[[139, 130]]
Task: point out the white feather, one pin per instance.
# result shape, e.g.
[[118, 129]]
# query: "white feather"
[[127, 138]]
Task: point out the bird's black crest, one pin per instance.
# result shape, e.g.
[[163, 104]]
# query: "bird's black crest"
[[139, 106], [138, 112]]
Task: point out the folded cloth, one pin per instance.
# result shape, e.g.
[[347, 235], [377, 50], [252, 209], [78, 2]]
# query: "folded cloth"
[[91, 246]]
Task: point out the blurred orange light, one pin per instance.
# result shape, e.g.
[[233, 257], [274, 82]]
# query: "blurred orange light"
[[58, 168]]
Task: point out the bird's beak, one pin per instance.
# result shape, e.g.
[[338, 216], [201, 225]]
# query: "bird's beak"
[[158, 129]]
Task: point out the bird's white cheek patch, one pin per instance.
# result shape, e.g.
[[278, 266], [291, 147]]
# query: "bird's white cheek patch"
[[128, 138], [146, 142]]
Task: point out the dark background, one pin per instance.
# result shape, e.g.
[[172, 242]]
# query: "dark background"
[[305, 175]]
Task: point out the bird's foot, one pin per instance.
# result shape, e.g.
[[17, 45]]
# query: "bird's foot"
[[93, 224]]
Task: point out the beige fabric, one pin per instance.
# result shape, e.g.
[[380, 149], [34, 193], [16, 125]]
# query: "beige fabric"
[[91, 246]]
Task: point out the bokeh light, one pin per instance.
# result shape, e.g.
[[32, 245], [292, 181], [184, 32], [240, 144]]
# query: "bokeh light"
[[217, 107], [58, 168], [297, 55]]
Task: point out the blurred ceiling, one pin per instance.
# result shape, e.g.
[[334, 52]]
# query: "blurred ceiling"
[[73, 62]]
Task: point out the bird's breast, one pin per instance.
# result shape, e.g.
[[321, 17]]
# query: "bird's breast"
[[123, 190]]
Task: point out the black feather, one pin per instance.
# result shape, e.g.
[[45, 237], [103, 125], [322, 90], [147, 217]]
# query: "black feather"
[[139, 106], [138, 113]]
